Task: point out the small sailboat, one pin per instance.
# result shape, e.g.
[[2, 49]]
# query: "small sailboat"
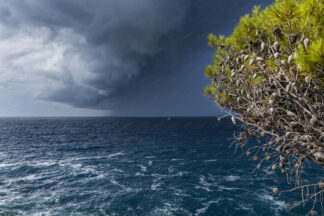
[[169, 118]]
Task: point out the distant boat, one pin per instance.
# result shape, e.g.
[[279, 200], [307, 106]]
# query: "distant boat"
[[169, 118]]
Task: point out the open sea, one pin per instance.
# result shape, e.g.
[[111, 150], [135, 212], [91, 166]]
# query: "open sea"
[[134, 166]]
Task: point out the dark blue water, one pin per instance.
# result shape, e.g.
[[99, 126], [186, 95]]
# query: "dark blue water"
[[133, 166]]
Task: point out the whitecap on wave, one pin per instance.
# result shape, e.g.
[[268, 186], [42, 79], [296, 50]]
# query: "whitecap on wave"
[[203, 210], [202, 181], [143, 168], [211, 160], [221, 188], [277, 205], [155, 186], [169, 209], [116, 154], [3, 165], [177, 159], [231, 178]]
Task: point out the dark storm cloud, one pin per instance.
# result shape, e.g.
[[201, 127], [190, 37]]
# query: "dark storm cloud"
[[172, 83], [81, 52]]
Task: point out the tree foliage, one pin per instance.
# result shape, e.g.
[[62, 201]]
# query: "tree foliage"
[[269, 74]]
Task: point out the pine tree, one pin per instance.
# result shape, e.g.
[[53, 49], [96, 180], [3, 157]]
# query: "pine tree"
[[269, 75]]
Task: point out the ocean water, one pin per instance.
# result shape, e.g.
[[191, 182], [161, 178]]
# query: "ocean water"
[[134, 166]]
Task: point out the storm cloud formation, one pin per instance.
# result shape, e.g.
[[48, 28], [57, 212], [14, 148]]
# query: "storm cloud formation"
[[81, 52], [110, 57]]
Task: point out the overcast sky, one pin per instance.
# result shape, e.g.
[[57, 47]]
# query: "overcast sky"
[[120, 58]]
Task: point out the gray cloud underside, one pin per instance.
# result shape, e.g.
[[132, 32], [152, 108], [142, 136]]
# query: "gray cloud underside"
[[81, 52]]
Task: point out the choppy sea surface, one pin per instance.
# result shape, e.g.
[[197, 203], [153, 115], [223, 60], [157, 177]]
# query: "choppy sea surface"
[[134, 166]]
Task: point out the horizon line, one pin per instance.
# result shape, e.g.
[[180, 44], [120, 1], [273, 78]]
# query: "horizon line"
[[164, 116]]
